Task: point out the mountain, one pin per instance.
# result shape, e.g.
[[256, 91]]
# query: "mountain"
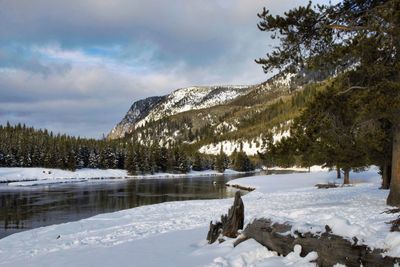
[[138, 111], [206, 118], [181, 100]]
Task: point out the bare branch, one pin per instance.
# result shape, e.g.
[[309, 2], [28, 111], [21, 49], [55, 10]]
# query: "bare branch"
[[346, 28], [350, 89]]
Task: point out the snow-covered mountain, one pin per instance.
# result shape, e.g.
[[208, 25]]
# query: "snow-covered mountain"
[[138, 111], [181, 100], [210, 117]]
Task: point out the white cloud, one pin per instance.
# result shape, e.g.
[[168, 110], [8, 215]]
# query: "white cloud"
[[76, 66]]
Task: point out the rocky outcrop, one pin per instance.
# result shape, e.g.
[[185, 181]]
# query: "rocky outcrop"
[[230, 223], [139, 110], [331, 248]]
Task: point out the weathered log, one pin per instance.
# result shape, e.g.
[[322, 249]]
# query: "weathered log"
[[331, 248], [326, 186], [230, 223], [245, 188]]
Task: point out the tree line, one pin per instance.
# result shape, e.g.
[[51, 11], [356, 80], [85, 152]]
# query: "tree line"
[[22, 146]]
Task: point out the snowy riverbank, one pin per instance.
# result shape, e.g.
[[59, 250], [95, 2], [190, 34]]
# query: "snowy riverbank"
[[173, 233], [41, 176]]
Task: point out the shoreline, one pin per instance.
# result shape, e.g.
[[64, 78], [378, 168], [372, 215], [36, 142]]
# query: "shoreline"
[[16, 177]]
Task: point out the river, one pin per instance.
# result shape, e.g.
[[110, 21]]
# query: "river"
[[23, 208]]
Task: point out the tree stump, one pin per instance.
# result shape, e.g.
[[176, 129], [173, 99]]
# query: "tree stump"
[[230, 223], [214, 232]]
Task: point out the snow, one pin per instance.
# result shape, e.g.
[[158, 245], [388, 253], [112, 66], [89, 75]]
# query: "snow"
[[249, 147], [23, 174], [173, 233], [44, 176], [46, 182], [193, 98], [314, 168], [354, 211]]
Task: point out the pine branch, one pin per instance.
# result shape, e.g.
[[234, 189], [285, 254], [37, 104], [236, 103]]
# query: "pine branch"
[[346, 28]]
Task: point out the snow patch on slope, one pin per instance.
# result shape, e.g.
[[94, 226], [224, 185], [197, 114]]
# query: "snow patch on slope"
[[251, 147], [193, 98]]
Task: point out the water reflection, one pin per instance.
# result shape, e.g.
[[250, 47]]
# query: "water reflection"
[[22, 208]]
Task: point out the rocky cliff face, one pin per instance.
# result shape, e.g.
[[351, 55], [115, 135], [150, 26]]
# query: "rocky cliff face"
[[138, 111]]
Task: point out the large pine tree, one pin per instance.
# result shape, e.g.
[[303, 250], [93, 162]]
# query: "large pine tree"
[[358, 37]]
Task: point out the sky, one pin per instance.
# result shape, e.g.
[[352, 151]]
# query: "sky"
[[76, 66]]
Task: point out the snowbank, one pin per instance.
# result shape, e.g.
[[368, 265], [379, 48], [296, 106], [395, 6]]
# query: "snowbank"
[[32, 174], [173, 233], [353, 211], [41, 176], [315, 168]]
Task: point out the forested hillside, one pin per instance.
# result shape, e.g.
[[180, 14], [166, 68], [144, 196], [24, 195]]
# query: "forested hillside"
[[22, 146], [246, 119]]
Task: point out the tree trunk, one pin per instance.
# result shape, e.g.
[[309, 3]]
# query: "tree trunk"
[[338, 173], [230, 223], [386, 169], [346, 179], [394, 194]]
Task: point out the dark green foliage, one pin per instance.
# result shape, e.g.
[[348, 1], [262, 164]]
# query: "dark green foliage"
[[198, 163], [359, 41], [221, 161], [131, 161], [182, 164], [242, 162], [21, 146]]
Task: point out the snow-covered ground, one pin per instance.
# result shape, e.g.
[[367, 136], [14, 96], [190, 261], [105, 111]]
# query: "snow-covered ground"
[[173, 233], [41, 176], [23, 174]]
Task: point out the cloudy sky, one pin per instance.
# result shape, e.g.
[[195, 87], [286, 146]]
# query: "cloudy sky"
[[76, 66]]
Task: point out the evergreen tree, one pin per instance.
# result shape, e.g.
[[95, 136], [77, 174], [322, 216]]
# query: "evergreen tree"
[[182, 164], [197, 162], [162, 160], [221, 161], [242, 162], [93, 160], [359, 38]]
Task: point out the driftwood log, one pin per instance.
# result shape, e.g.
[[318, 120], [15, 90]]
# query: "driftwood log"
[[230, 223], [331, 248]]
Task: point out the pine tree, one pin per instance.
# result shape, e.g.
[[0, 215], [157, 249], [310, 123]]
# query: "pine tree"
[[358, 38], [242, 162], [197, 162], [221, 161], [130, 161], [181, 160], [163, 160], [93, 160]]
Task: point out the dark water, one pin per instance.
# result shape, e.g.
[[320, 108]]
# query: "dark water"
[[26, 208]]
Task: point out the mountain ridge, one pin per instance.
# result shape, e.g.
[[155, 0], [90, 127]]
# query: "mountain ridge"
[[206, 118], [180, 100]]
